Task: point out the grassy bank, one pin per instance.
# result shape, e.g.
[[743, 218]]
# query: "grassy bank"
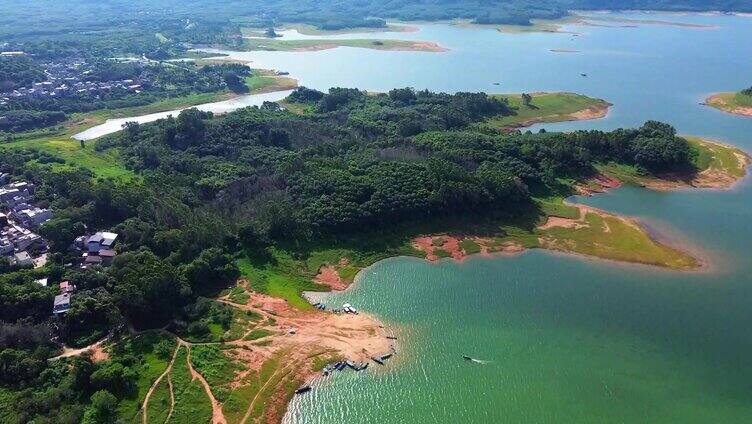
[[549, 107], [565, 228], [715, 156], [266, 82], [736, 103], [607, 236]]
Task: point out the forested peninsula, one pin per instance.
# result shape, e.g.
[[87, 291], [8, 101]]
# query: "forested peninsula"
[[223, 222]]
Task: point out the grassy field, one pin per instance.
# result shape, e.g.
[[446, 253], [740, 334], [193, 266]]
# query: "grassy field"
[[716, 156], [216, 367], [159, 106], [731, 102], [546, 107], [557, 207], [612, 237], [239, 295], [470, 247], [258, 334], [102, 164], [286, 279], [272, 44], [159, 403], [268, 83]]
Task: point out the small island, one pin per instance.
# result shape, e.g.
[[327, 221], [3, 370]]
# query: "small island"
[[251, 44], [739, 103]]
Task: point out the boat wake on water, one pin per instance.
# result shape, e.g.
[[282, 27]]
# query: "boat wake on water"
[[477, 361]]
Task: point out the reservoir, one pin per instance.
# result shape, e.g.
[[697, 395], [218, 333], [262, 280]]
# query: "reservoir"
[[562, 339]]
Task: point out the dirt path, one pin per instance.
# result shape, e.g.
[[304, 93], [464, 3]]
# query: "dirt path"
[[218, 417], [154, 385], [172, 397], [68, 352]]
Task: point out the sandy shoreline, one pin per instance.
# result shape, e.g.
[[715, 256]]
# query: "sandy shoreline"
[[593, 112], [719, 101]]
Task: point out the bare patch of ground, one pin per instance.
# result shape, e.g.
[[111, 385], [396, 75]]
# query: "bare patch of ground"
[[421, 46], [297, 339], [99, 354], [329, 277], [595, 112], [440, 246], [92, 349], [597, 184], [555, 221], [355, 337]]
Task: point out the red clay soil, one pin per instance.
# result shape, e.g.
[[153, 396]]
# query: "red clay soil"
[[329, 276], [451, 245], [598, 184]]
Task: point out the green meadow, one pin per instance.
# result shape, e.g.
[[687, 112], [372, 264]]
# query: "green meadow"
[[546, 107]]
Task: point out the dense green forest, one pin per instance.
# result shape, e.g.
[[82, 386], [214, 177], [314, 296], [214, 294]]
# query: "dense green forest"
[[202, 21], [341, 169]]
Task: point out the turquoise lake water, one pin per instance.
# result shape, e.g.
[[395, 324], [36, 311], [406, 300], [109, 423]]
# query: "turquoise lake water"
[[564, 339]]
